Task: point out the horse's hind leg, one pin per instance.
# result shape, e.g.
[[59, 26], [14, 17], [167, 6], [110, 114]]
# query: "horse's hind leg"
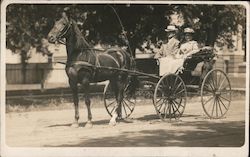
[[74, 88], [85, 85], [120, 85], [114, 88]]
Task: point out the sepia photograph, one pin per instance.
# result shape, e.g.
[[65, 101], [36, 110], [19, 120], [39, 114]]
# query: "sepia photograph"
[[124, 78]]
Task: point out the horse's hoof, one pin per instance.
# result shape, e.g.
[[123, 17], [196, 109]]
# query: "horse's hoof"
[[112, 123], [89, 125], [75, 125]]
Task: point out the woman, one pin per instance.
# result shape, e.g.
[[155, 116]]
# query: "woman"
[[190, 46], [171, 63]]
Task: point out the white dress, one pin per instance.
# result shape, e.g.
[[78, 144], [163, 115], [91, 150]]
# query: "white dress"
[[172, 63]]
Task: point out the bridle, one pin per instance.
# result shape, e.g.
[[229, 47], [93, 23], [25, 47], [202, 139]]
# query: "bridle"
[[65, 30]]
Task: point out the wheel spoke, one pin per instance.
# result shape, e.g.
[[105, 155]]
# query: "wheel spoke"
[[159, 100], [219, 79], [176, 78], [176, 89], [179, 104], [111, 103], [112, 109], [128, 106], [219, 106], [170, 116], [224, 92], [212, 87], [124, 109], [208, 100], [207, 89], [216, 107], [173, 110], [210, 94], [129, 101], [224, 86], [177, 108], [180, 91], [224, 98], [222, 103], [165, 111], [213, 108], [180, 94], [160, 106], [214, 83], [222, 83], [165, 83]]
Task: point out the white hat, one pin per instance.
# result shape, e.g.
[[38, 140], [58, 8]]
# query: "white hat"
[[171, 28], [188, 30]]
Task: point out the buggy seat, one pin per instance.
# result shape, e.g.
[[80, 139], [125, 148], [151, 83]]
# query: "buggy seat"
[[205, 54]]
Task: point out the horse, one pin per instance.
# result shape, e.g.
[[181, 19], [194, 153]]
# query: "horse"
[[83, 62]]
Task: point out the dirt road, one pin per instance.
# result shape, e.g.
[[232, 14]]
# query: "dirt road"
[[52, 128]]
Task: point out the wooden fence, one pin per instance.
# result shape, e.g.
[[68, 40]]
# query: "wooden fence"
[[34, 73]]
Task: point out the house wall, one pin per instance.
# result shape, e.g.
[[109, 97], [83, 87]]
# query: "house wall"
[[232, 60]]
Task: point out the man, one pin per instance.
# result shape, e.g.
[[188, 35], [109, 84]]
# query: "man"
[[170, 48], [167, 53]]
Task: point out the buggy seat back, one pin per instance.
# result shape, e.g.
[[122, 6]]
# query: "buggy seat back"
[[205, 54]]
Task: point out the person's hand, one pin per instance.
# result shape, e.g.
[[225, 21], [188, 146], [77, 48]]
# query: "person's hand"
[[187, 56], [159, 43]]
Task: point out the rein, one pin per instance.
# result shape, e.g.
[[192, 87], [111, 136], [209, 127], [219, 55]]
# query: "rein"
[[123, 30], [66, 30]]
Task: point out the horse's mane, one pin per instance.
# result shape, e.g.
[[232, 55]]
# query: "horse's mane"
[[80, 40]]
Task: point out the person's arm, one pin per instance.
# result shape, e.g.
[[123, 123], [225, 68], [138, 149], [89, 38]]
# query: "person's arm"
[[159, 52], [176, 49], [195, 49]]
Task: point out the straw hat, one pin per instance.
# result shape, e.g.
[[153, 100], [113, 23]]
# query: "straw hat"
[[171, 28], [188, 30]]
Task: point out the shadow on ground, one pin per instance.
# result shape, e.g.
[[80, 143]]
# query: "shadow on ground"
[[196, 134]]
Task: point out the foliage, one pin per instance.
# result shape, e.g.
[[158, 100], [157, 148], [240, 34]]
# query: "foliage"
[[27, 24], [214, 21]]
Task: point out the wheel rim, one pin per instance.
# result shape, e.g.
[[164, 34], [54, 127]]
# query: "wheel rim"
[[216, 94], [127, 104], [170, 97]]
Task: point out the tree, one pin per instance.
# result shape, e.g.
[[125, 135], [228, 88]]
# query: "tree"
[[214, 21], [28, 24]]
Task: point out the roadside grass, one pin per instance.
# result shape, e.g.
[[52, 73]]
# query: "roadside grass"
[[27, 104]]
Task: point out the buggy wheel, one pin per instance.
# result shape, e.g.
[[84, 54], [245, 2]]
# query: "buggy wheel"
[[216, 94], [170, 97], [127, 104]]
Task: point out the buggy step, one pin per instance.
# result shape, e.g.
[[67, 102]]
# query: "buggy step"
[[192, 86]]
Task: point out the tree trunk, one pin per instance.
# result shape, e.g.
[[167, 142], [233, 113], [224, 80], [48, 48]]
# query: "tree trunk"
[[212, 34], [24, 65]]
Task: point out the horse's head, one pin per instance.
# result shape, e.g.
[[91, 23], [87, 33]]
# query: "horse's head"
[[60, 29]]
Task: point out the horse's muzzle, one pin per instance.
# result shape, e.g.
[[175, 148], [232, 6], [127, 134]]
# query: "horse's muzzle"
[[51, 39]]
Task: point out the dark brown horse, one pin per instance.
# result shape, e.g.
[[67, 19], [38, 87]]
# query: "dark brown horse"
[[83, 62]]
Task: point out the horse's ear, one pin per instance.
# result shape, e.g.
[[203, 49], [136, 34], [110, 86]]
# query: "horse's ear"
[[66, 13]]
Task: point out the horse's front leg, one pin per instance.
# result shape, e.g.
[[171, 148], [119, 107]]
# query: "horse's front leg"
[[74, 88], [85, 85]]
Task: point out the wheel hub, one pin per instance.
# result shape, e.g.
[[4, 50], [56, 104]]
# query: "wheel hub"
[[217, 93]]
